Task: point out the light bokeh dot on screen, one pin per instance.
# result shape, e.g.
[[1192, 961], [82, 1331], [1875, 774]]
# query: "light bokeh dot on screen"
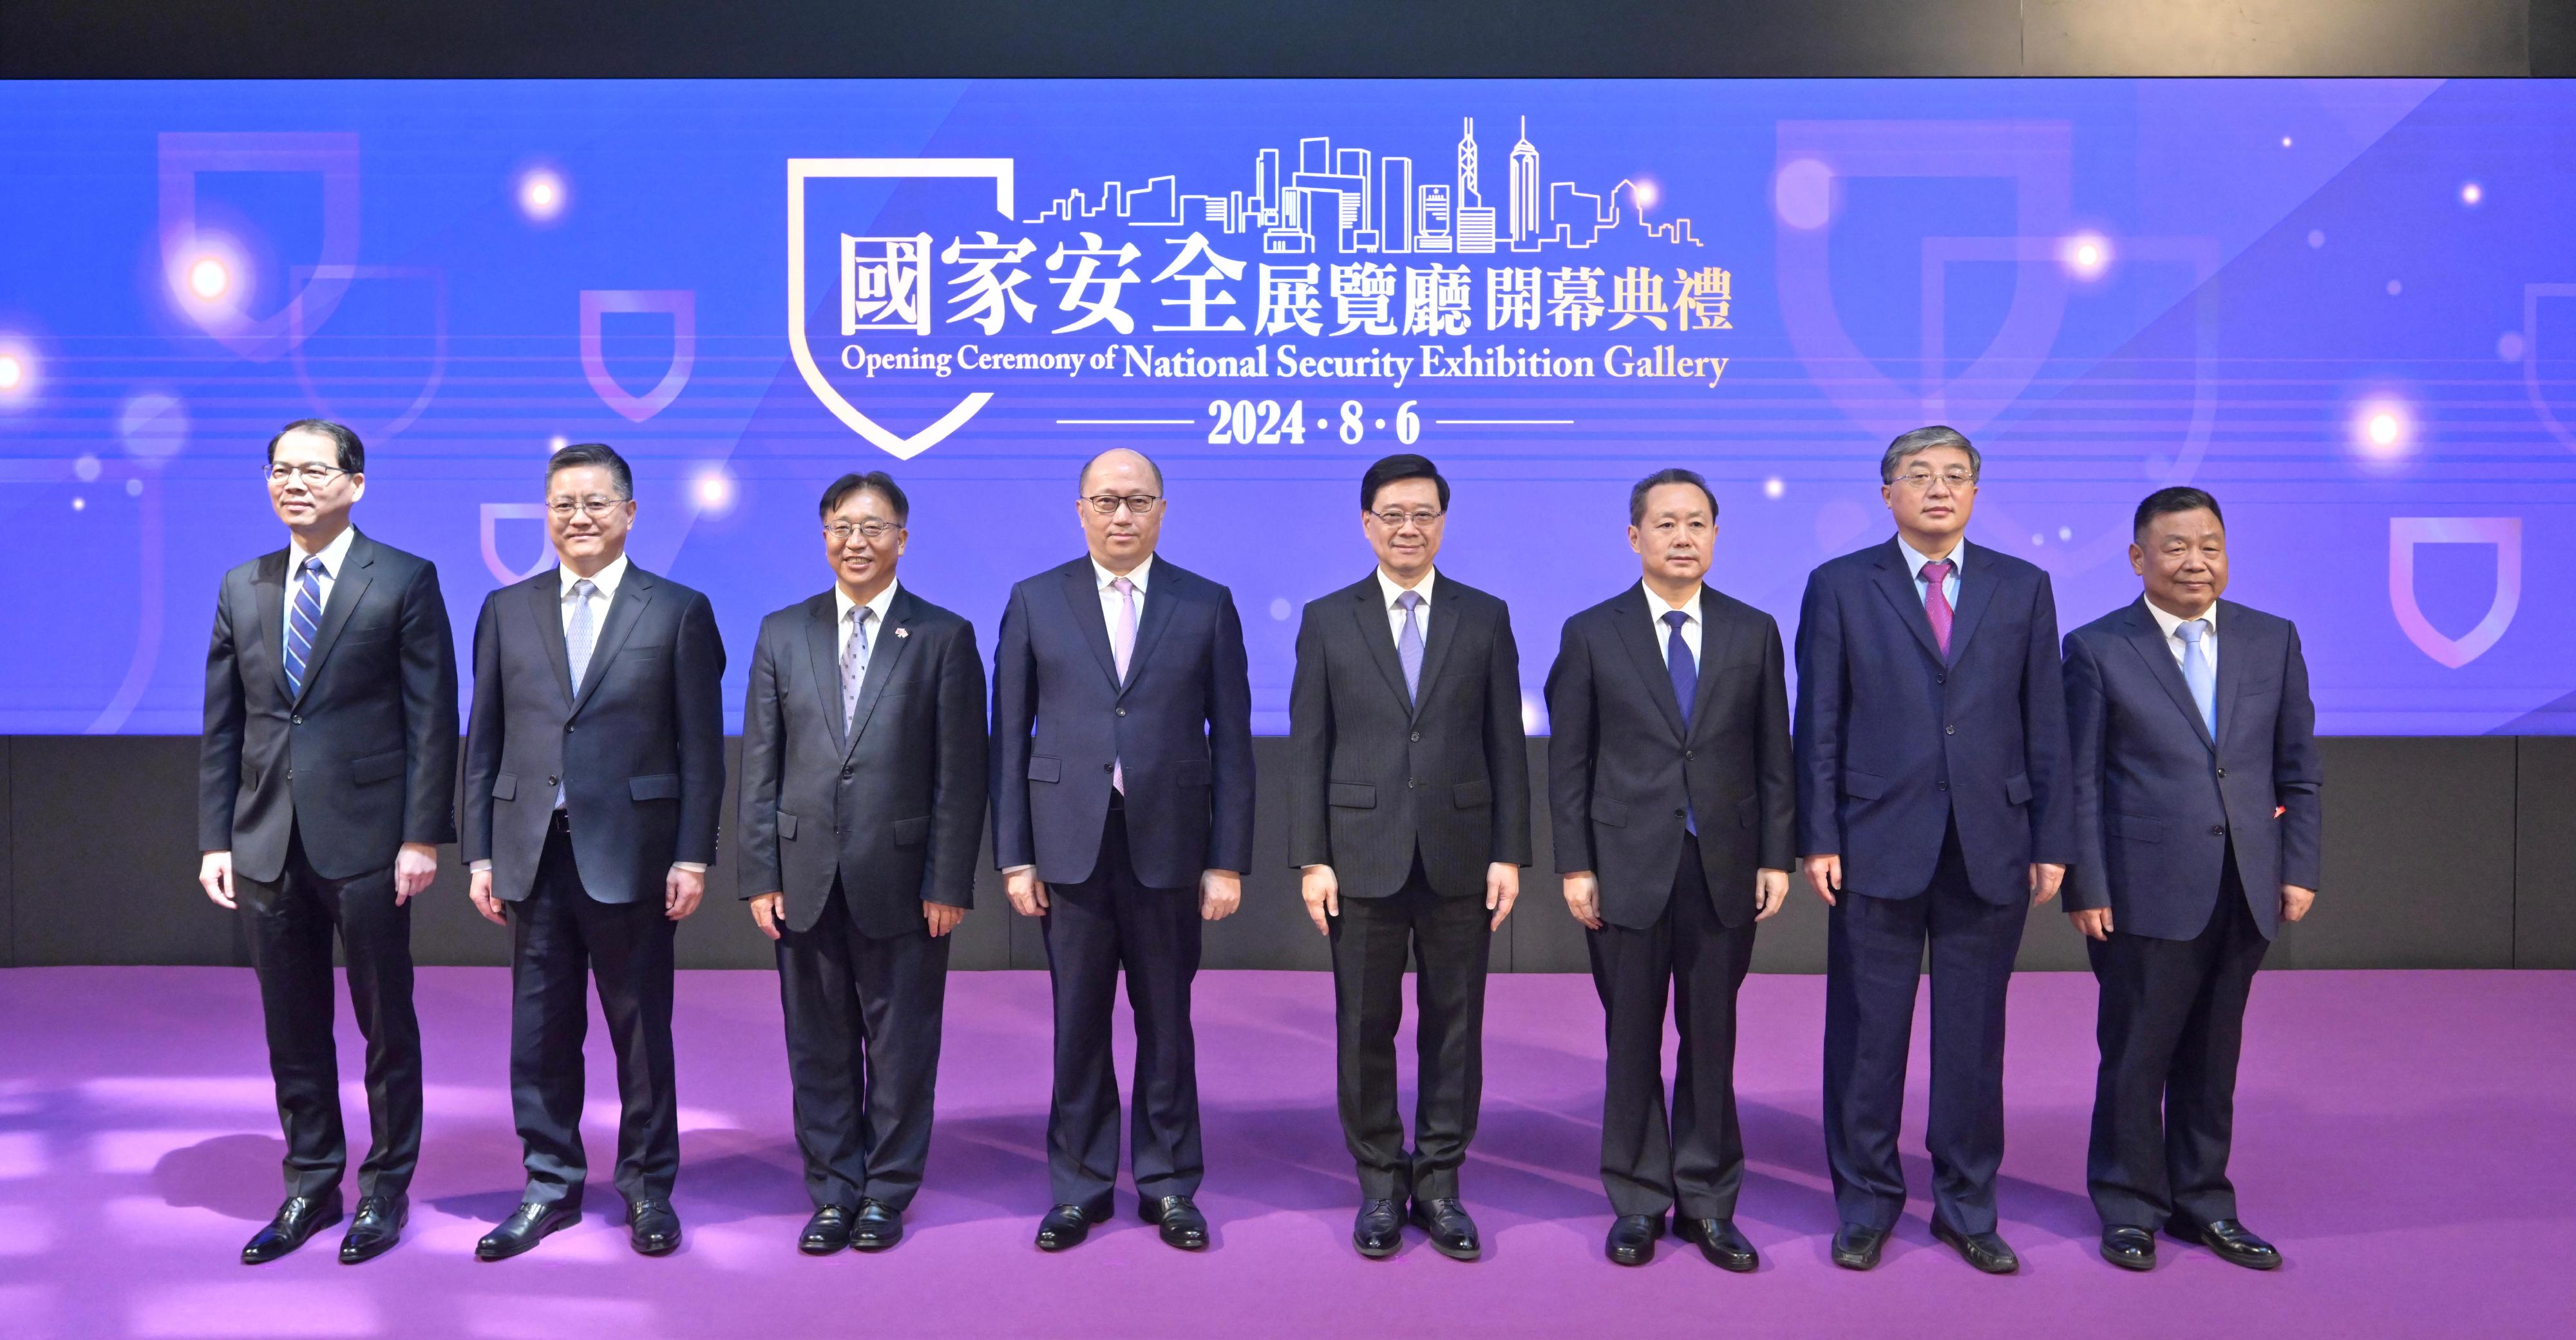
[[153, 426], [85, 469], [2065, 534], [1279, 608], [1804, 194], [2509, 346], [2395, 287], [134, 488], [2316, 237]]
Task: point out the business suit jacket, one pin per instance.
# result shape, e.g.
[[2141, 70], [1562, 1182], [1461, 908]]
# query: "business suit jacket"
[[639, 751], [893, 808], [1894, 741], [1181, 722], [2159, 802], [1376, 776], [364, 759], [1621, 771]]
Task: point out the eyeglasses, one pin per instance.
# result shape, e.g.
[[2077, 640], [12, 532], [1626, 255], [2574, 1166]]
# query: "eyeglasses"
[[314, 476], [1137, 504], [870, 531], [594, 508], [1921, 480], [1393, 520]]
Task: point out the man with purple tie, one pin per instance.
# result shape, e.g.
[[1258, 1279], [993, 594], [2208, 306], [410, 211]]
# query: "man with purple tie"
[[1933, 799]]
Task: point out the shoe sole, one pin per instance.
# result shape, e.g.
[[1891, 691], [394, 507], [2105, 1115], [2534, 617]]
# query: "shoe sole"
[[1631, 1259], [1454, 1254], [349, 1258], [832, 1250], [664, 1250], [2129, 1262], [874, 1245], [2229, 1257], [530, 1245], [1375, 1253], [1960, 1245]]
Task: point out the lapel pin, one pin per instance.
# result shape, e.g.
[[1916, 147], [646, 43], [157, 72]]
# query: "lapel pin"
[[903, 632]]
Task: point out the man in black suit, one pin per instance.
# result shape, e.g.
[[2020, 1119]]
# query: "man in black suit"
[[325, 785], [2198, 828], [1933, 805], [863, 779], [1122, 817], [1670, 783], [1408, 812], [594, 771]]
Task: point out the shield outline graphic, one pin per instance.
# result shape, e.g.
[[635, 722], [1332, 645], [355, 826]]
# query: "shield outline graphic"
[[2531, 296], [902, 448], [681, 303], [2406, 532], [512, 511], [343, 276], [332, 155]]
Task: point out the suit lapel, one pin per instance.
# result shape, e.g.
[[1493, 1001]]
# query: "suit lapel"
[[823, 648], [545, 599], [2231, 677], [1975, 593], [1442, 635], [2148, 641], [346, 590], [1169, 583], [1082, 597], [1717, 637], [883, 657], [1636, 632], [1896, 582], [268, 589], [1368, 615], [633, 594]]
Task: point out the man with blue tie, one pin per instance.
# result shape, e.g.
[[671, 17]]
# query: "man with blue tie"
[[2198, 828], [1933, 800]]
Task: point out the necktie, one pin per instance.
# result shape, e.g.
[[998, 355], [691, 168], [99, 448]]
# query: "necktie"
[[1936, 602], [578, 637], [303, 624], [1408, 644], [2196, 673], [1684, 669], [1122, 644], [854, 666]]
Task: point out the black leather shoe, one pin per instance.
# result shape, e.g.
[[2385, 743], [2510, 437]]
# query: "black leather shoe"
[[2129, 1248], [527, 1226], [879, 1226], [377, 1226], [299, 1218], [1632, 1239], [2233, 1242], [827, 1232], [1066, 1226], [1183, 1226], [1856, 1246], [653, 1227], [1985, 1251], [1725, 1248], [1379, 1230], [1453, 1234]]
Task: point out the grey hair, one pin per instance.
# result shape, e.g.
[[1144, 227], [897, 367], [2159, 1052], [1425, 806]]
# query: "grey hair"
[[1913, 444]]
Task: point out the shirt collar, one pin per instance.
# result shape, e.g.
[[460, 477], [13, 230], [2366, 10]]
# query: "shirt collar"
[[1141, 576], [842, 604], [1391, 592], [1656, 605], [333, 555], [606, 581], [1915, 560], [2169, 622]]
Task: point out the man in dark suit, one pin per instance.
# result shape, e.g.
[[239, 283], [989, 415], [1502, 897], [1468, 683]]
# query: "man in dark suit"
[[1670, 783], [1408, 812], [594, 771], [1122, 816], [2197, 828], [326, 784], [863, 779], [1933, 799]]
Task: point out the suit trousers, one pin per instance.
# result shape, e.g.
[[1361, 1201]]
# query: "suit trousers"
[[2171, 1025], [1874, 956], [1451, 938], [863, 1018], [290, 921], [1093, 930], [1697, 1159], [560, 938]]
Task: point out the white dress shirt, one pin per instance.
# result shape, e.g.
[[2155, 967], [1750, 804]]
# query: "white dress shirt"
[[1395, 613], [333, 556], [1657, 608], [1914, 562], [2172, 625], [1113, 606], [876, 608]]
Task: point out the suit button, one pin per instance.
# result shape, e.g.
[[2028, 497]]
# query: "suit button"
[[1409, 783], [2218, 830], [2222, 772], [1416, 737], [1108, 767], [1940, 786], [552, 782], [1940, 679], [567, 728], [1122, 711], [1688, 754], [1949, 730], [846, 772], [297, 720], [1681, 814]]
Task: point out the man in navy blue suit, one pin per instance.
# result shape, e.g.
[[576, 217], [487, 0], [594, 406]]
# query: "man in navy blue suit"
[[1122, 816], [1933, 799], [2197, 829]]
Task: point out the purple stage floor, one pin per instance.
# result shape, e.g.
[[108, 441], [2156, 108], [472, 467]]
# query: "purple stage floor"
[[2405, 1138]]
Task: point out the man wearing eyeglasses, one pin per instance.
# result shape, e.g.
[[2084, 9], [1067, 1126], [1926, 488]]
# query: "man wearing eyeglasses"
[[1122, 818], [863, 781], [1935, 803], [594, 770], [326, 783], [1408, 814]]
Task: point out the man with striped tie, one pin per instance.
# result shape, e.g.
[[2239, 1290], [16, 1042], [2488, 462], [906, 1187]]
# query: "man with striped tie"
[[594, 772], [326, 784]]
